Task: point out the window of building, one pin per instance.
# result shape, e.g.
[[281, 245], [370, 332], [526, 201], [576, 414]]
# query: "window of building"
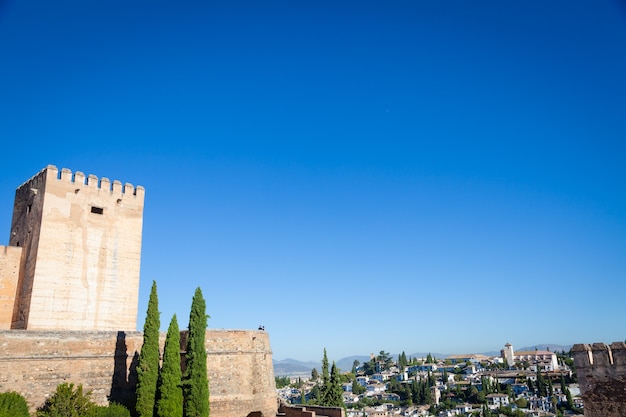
[[97, 210]]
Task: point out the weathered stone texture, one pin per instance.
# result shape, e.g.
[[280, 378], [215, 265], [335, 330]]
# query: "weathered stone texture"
[[601, 374], [33, 363], [82, 238], [9, 276]]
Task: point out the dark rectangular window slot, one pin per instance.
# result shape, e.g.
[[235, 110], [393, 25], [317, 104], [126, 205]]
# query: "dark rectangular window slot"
[[29, 208], [97, 210]]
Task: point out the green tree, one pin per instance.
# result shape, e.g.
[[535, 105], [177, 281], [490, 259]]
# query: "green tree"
[[472, 394], [335, 391], [315, 394], [563, 386], [325, 388], [542, 385], [13, 404], [521, 402], [570, 401], [282, 381], [169, 388], [550, 387], [325, 369], [385, 360], [314, 375], [402, 361], [112, 410], [369, 367], [148, 366], [195, 380], [357, 388], [355, 365], [67, 401]]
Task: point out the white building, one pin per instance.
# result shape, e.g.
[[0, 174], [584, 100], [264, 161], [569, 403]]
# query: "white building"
[[537, 359]]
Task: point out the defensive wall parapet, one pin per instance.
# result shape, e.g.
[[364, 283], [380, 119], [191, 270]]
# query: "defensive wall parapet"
[[80, 180], [601, 371], [33, 363]]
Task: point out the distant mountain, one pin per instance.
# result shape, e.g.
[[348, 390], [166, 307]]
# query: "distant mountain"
[[550, 346], [345, 364], [293, 367]]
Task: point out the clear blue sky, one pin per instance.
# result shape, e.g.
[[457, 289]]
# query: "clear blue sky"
[[441, 176]]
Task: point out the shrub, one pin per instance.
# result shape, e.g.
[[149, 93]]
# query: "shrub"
[[112, 410], [13, 404], [67, 401]]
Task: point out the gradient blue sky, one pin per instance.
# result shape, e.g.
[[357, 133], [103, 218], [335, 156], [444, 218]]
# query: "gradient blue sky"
[[441, 176]]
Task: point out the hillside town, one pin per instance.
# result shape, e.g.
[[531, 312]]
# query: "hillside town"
[[529, 383]]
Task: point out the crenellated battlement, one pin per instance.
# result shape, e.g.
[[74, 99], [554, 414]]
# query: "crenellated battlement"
[[600, 355], [601, 371], [79, 179]]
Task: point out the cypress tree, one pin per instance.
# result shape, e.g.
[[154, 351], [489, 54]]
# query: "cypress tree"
[[169, 389], [325, 389], [335, 393], [148, 366], [195, 379]]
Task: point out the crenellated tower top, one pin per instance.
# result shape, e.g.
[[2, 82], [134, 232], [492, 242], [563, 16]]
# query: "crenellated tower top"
[[80, 181]]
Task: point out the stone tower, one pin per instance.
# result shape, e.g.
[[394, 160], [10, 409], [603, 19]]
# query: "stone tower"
[[78, 242], [508, 355]]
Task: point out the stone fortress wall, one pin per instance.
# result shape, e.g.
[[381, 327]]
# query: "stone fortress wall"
[[33, 363], [601, 374], [69, 284], [86, 231]]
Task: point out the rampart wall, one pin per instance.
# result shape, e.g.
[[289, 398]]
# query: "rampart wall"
[[33, 363], [10, 257], [601, 374]]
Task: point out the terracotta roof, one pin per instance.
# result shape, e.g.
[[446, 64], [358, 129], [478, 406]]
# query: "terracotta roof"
[[534, 352]]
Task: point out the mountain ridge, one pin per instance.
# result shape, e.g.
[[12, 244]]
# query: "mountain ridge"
[[296, 368]]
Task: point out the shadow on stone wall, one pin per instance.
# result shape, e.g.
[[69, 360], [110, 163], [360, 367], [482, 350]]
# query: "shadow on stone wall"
[[124, 378]]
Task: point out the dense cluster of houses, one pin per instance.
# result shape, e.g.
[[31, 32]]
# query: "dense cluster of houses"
[[458, 373]]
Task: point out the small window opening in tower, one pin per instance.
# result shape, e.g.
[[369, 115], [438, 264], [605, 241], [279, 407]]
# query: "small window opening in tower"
[[97, 210], [28, 208]]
